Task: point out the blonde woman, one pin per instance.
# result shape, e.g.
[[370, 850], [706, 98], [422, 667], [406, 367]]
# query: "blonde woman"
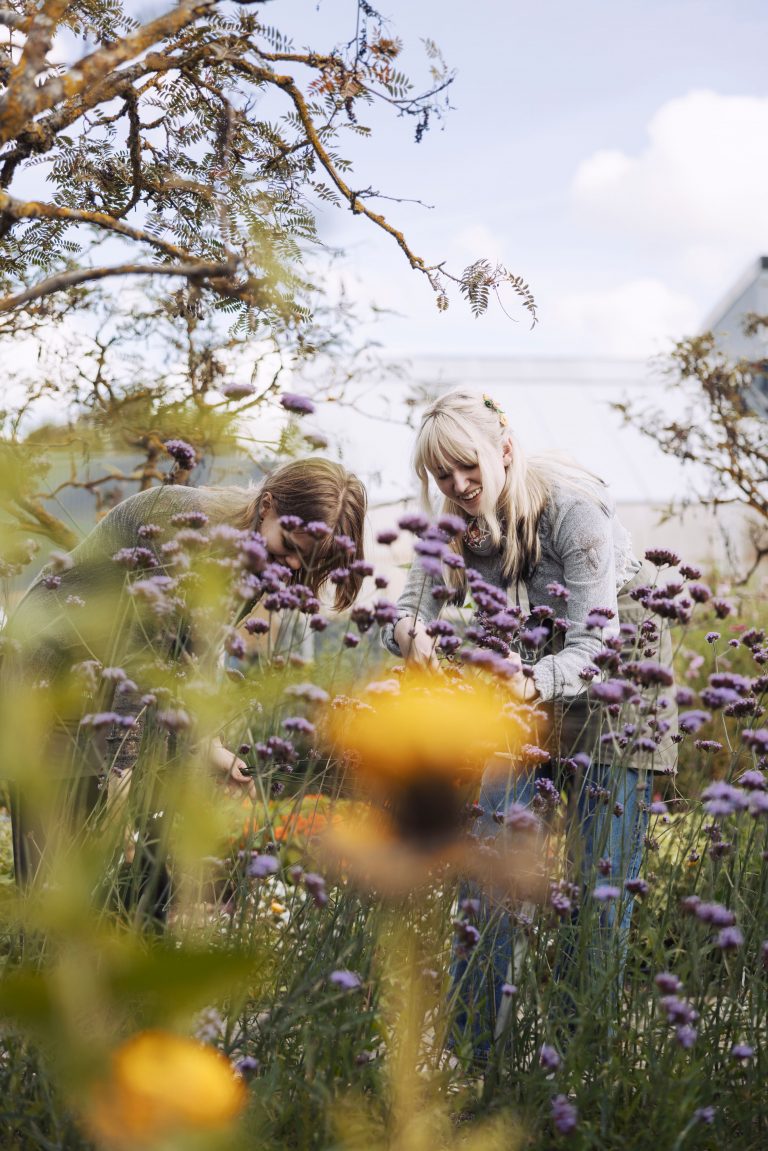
[[537, 543]]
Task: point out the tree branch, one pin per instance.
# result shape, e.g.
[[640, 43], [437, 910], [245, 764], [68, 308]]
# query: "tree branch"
[[288, 85], [12, 209], [16, 113], [194, 270]]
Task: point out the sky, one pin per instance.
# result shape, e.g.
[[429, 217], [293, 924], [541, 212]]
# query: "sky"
[[614, 154]]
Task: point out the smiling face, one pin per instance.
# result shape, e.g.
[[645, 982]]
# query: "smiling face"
[[473, 487], [293, 549]]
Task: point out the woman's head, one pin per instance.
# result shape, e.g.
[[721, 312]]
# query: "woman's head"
[[465, 444], [317, 491]]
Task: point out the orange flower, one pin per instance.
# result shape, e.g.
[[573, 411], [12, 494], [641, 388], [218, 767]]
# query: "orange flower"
[[160, 1085]]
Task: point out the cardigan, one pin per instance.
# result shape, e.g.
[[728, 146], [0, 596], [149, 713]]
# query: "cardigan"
[[586, 549]]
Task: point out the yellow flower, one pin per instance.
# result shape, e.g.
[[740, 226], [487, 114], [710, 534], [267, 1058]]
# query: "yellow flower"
[[430, 727], [277, 908], [160, 1085], [419, 754]]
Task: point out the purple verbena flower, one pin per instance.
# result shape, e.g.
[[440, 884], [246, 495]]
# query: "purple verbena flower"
[[757, 739], [599, 618], [691, 721], [612, 691], [721, 798], [182, 452], [247, 1067], [549, 1058], [564, 1115], [135, 558], [518, 817], [667, 982], [299, 405], [742, 1051], [107, 718], [346, 980], [700, 592], [291, 523], [662, 557], [558, 591], [261, 866], [677, 1010], [387, 537], [714, 914], [686, 1035], [315, 885], [317, 529], [413, 522], [604, 892], [729, 939], [309, 692], [705, 1114], [256, 626], [299, 723], [237, 391], [174, 719]]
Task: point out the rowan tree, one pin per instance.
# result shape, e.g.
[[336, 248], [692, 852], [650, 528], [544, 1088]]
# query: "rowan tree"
[[188, 150]]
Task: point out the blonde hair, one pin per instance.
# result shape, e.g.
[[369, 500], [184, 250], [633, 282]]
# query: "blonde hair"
[[316, 490], [469, 429]]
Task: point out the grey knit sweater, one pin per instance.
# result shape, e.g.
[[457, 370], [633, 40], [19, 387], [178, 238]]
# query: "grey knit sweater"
[[55, 630], [585, 548]]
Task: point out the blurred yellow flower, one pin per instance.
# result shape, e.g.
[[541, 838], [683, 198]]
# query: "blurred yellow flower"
[[430, 726], [277, 908], [418, 755], [160, 1085]]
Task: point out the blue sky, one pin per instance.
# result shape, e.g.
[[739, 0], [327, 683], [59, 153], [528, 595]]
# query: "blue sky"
[[613, 153]]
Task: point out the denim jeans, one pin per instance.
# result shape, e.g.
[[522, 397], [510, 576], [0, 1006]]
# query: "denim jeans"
[[606, 818]]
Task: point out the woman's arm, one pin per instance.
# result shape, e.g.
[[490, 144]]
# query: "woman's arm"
[[408, 637], [582, 542]]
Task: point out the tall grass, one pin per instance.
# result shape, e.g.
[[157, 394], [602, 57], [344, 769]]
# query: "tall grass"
[[310, 934]]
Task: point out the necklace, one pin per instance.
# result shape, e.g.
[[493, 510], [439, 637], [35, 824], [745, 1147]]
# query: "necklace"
[[477, 535]]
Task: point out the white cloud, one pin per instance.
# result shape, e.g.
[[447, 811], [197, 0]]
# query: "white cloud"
[[636, 318], [698, 188]]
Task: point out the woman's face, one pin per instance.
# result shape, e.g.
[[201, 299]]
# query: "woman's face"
[[294, 549], [472, 487]]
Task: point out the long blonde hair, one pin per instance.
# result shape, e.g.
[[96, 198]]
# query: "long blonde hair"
[[316, 490], [469, 429]]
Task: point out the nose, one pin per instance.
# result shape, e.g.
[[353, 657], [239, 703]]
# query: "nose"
[[292, 561], [460, 481]]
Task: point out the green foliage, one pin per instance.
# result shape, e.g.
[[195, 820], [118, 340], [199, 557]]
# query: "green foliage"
[[281, 949]]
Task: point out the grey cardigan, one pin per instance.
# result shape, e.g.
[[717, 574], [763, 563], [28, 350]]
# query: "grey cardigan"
[[54, 634], [585, 548]]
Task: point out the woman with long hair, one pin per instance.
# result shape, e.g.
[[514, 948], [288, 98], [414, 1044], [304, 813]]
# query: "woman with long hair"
[[164, 576], [544, 557]]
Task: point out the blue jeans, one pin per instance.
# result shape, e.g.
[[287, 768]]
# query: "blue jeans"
[[606, 819]]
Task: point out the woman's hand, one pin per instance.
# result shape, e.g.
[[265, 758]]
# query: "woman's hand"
[[414, 643], [230, 771], [522, 687]]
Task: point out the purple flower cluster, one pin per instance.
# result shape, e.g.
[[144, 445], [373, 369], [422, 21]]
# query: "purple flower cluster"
[[182, 453], [564, 1115], [298, 405]]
